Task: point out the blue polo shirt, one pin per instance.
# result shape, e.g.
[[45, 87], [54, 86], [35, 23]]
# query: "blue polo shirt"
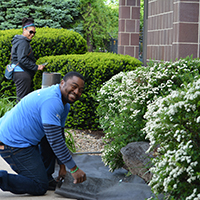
[[22, 126]]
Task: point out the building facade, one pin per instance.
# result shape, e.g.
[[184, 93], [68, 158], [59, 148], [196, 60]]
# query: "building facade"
[[173, 29]]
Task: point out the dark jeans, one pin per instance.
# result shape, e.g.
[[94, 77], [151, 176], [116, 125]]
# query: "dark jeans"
[[23, 83], [31, 175], [48, 157]]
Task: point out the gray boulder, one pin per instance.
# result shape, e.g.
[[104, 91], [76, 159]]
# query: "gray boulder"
[[137, 160]]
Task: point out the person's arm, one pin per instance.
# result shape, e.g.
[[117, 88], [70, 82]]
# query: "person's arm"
[[55, 138], [63, 135], [62, 171]]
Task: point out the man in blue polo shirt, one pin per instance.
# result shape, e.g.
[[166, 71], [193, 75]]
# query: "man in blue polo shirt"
[[39, 117]]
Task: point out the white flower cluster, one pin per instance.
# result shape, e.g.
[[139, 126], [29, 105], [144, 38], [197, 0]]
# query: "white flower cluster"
[[194, 195], [164, 128]]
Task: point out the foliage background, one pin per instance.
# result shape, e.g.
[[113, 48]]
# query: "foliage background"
[[94, 20], [6, 105], [96, 68], [54, 14], [100, 22]]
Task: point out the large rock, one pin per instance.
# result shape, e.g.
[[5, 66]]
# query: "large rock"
[[137, 160]]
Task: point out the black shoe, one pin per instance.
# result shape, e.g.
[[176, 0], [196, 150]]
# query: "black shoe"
[[52, 184]]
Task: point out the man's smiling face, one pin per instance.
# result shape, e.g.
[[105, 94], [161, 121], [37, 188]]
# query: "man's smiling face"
[[72, 89]]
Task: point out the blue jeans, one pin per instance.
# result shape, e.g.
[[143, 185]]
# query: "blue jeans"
[[31, 175], [48, 157]]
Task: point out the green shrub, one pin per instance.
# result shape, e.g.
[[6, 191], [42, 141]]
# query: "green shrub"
[[124, 98], [47, 42], [5, 105], [173, 126]]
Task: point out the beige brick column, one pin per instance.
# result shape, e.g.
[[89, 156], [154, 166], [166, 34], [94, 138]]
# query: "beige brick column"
[[129, 25]]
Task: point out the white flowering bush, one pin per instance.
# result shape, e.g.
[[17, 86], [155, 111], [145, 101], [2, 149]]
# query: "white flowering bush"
[[173, 128], [124, 98], [118, 116]]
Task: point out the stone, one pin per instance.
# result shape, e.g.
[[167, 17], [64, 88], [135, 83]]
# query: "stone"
[[137, 160]]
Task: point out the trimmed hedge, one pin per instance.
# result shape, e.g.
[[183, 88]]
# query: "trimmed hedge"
[[97, 68], [49, 45], [47, 42]]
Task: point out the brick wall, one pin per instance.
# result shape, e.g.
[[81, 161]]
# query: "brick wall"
[[129, 25], [173, 29]]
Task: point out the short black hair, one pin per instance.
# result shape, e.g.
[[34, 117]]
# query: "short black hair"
[[26, 21], [70, 75]]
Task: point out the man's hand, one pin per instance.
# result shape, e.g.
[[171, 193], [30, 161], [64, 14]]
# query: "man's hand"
[[62, 172], [79, 176]]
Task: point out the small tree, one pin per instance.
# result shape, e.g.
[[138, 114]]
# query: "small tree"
[[99, 22]]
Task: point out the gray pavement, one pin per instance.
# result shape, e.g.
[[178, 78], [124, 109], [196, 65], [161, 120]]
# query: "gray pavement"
[[8, 195]]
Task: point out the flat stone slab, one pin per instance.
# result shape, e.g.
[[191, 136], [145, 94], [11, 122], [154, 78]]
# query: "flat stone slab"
[[102, 184]]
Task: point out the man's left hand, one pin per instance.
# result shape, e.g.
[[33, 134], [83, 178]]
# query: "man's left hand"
[[62, 172]]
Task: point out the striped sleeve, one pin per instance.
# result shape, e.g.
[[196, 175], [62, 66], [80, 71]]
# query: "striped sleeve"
[[55, 138], [63, 135]]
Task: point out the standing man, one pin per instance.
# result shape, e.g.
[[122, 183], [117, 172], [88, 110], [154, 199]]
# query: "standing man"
[[40, 114]]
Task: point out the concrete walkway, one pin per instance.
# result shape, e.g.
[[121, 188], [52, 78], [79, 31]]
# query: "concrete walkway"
[[8, 195]]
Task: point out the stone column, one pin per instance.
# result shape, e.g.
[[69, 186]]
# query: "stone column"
[[129, 27]]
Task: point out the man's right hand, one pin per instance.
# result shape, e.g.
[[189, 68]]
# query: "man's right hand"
[[79, 176]]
